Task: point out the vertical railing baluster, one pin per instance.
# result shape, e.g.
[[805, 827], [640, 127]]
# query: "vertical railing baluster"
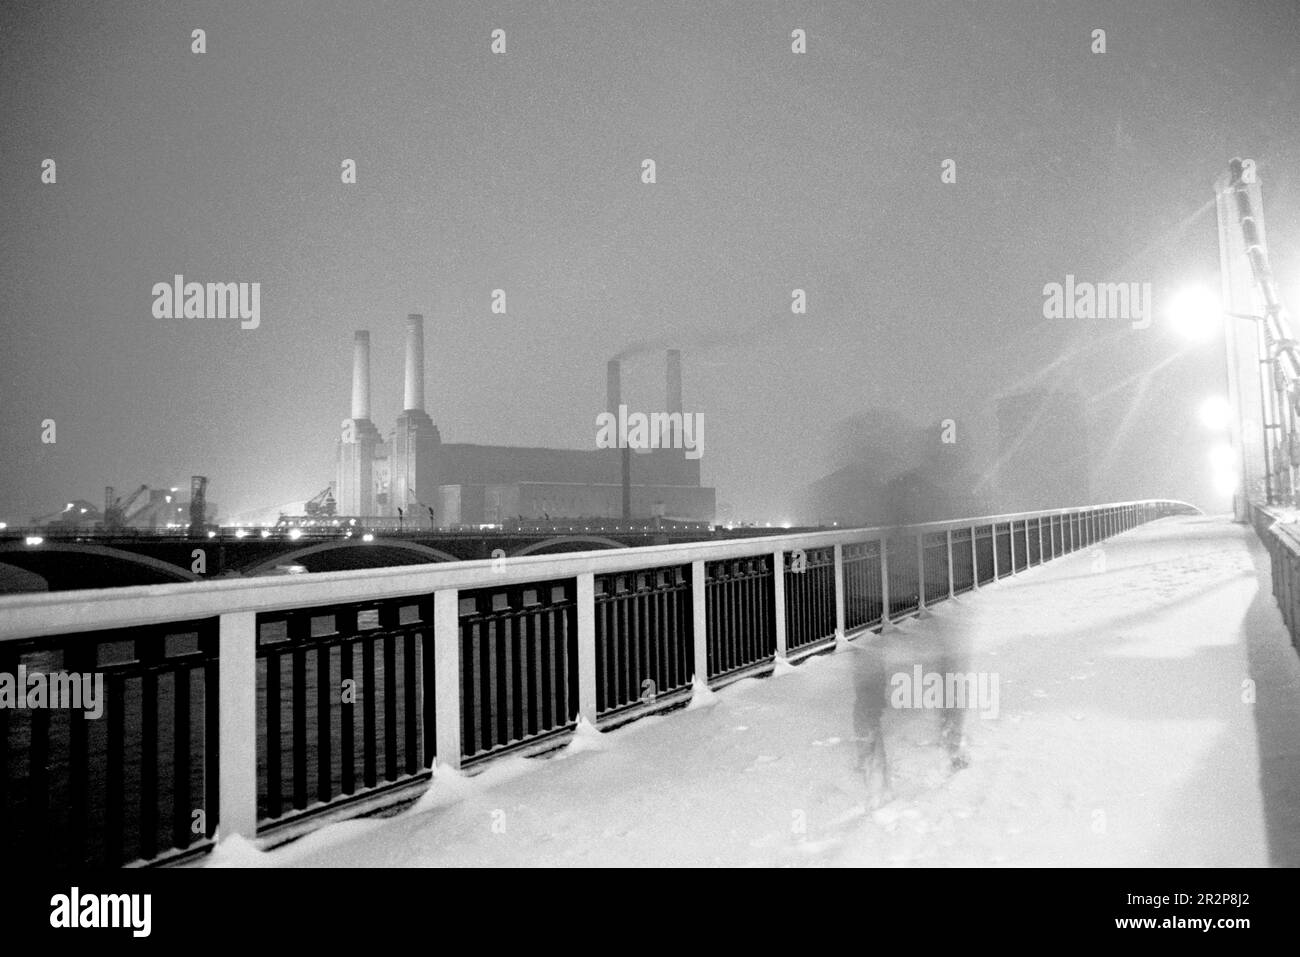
[[274, 736], [345, 622], [410, 684], [324, 725], [779, 623], [237, 751], [181, 764], [369, 764], [700, 637], [79, 659], [841, 583], [209, 644], [449, 673], [586, 598], [149, 653], [297, 634]]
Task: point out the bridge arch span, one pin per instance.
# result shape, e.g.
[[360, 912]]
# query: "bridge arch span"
[[170, 572], [536, 547], [425, 551]]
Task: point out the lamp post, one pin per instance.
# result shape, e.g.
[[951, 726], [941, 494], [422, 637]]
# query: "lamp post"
[[1195, 313]]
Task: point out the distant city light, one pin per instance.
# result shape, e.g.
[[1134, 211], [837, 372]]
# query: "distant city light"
[[4, 525], [1194, 312], [266, 533], [367, 537], [1216, 413], [33, 540], [241, 533], [83, 511], [295, 534], [212, 534]]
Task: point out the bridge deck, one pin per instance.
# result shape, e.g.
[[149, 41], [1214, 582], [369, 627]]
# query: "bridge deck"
[[1121, 738]]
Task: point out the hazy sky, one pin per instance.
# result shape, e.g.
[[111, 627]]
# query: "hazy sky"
[[521, 171]]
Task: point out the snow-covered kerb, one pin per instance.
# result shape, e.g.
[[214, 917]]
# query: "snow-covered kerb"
[[524, 647]]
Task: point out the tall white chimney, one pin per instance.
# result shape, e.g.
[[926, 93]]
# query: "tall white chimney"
[[361, 376], [414, 362]]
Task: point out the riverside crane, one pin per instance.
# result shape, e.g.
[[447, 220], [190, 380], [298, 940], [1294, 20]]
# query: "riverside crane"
[[322, 504], [115, 508]]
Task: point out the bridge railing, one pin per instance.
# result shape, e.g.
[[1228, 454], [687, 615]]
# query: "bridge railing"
[[1278, 529], [263, 707]]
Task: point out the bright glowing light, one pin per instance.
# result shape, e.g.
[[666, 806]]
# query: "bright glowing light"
[[241, 533], [1225, 483], [4, 525], [1223, 458], [1194, 313], [295, 534], [367, 537], [83, 511], [33, 540], [1216, 413], [266, 533], [212, 534]]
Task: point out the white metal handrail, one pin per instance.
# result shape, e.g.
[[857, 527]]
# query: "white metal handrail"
[[51, 613]]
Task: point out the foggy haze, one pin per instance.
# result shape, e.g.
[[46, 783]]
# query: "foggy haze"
[[521, 172]]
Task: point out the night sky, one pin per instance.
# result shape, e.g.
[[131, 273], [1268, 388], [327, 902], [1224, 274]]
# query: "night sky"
[[522, 171]]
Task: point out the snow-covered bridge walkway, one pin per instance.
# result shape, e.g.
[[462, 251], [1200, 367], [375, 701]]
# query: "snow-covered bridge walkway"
[[1125, 734]]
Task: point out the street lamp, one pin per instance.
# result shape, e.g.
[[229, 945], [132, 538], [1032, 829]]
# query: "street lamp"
[[1215, 413], [1195, 313]]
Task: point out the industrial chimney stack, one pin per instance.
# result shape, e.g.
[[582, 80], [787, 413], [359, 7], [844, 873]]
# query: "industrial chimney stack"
[[361, 376], [414, 400], [413, 475]]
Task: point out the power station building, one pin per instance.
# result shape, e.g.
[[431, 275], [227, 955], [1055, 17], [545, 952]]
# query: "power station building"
[[462, 484]]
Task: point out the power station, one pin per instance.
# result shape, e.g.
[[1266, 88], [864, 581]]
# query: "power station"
[[416, 476]]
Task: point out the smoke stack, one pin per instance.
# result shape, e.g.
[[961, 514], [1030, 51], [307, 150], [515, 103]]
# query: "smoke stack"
[[414, 363], [361, 376], [674, 381]]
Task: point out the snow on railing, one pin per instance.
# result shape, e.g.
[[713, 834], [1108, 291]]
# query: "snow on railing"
[[266, 706]]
